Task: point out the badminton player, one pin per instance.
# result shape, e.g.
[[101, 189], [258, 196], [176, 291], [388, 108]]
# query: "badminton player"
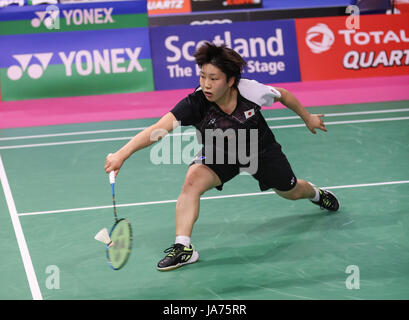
[[226, 103]]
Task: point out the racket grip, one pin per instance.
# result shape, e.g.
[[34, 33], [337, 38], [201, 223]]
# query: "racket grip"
[[112, 177], [111, 174]]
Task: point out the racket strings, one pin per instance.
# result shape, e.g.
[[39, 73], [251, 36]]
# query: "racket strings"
[[121, 236]]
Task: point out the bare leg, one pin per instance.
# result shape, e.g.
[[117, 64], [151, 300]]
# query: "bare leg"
[[199, 179]]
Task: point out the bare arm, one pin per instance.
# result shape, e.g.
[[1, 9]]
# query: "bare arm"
[[140, 141], [312, 121]]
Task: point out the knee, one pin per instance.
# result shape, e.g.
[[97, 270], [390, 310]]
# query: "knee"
[[199, 179], [189, 186], [193, 186]]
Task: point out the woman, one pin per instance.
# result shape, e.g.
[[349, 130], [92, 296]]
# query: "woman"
[[227, 107]]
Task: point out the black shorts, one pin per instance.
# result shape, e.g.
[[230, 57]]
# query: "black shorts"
[[273, 170]]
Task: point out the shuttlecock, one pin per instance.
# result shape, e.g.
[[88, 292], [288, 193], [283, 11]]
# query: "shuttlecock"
[[103, 236]]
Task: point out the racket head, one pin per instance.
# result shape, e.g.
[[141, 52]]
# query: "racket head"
[[121, 236]]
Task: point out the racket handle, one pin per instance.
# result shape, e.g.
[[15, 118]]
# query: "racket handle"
[[112, 177]]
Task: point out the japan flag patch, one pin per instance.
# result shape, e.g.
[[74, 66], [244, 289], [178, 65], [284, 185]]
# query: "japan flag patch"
[[249, 113]]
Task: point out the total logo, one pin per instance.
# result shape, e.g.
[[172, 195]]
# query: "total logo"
[[50, 17], [84, 62], [319, 38]]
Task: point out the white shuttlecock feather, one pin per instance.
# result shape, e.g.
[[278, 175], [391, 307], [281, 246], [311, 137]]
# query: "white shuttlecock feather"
[[103, 236]]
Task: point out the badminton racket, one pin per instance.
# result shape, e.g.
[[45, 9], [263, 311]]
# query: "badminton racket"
[[121, 236]]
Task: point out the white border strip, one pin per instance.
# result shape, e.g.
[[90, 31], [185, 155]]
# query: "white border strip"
[[206, 198], [22, 244]]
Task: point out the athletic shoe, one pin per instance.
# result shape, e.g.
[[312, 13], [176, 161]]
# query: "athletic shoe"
[[177, 256], [327, 200]]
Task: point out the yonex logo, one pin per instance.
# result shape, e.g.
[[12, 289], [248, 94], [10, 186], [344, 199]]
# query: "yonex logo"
[[212, 122], [50, 18], [319, 38], [83, 62], [35, 70], [88, 16]]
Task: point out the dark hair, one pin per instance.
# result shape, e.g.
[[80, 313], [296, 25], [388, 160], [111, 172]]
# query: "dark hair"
[[224, 58]]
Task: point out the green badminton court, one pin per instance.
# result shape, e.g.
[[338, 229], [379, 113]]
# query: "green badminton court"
[[253, 245]]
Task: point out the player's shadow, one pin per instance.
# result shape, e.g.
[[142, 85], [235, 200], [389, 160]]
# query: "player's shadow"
[[292, 238], [267, 241]]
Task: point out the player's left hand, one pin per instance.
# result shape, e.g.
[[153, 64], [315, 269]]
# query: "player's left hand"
[[315, 122]]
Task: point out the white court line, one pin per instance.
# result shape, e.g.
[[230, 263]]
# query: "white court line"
[[341, 122], [62, 143], [191, 133], [22, 244], [142, 128], [20, 146], [51, 135], [356, 113], [206, 198]]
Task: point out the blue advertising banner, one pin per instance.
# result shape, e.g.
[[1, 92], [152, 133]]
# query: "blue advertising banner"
[[75, 63], [62, 44], [67, 9], [73, 17], [269, 47], [74, 49]]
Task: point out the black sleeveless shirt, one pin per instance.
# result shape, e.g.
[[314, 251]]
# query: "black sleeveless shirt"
[[211, 123]]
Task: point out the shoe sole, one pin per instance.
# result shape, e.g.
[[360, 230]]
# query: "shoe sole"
[[193, 259]]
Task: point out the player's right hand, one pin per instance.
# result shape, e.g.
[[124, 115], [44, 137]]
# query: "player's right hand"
[[113, 162]]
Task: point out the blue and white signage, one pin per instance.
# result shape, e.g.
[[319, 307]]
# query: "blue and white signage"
[[269, 48]]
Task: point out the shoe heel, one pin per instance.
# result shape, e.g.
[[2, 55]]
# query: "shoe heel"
[[193, 258]]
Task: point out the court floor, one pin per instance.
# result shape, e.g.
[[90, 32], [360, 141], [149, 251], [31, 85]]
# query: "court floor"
[[253, 245]]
